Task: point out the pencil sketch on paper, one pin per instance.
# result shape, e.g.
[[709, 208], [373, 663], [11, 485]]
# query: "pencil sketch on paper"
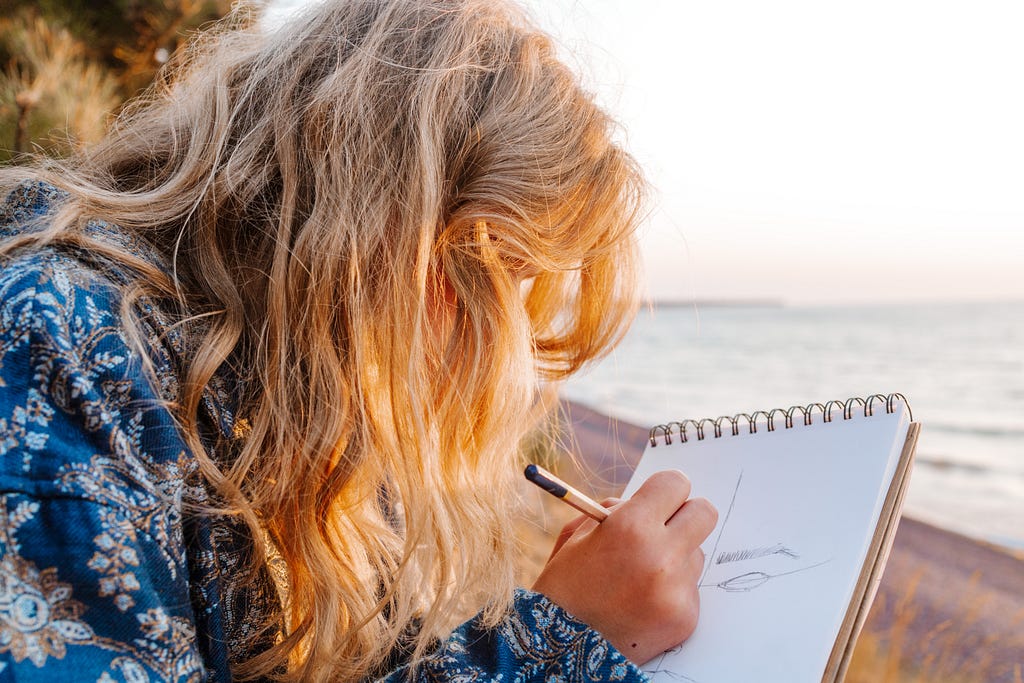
[[754, 553], [740, 583], [751, 580], [657, 669], [669, 674], [747, 581], [725, 523]]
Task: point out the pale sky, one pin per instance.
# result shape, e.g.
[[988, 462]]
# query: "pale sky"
[[814, 151]]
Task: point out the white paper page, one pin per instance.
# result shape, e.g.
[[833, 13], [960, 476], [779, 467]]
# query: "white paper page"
[[797, 512]]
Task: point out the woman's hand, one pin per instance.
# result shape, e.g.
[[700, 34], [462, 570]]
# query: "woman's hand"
[[633, 578]]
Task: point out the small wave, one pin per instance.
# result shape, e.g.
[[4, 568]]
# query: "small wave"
[[949, 464]]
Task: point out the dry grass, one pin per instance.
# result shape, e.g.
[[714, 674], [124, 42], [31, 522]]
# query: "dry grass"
[[897, 649]]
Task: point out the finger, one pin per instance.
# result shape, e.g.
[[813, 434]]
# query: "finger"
[[567, 532], [660, 496], [569, 529], [694, 521]]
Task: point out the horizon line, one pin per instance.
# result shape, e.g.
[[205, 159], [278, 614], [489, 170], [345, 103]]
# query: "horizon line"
[[779, 302]]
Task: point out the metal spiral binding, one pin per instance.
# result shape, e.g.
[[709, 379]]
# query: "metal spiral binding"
[[731, 425]]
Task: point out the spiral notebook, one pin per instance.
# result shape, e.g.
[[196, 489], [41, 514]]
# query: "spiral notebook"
[[809, 499]]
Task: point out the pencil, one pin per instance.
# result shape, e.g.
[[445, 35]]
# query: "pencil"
[[559, 489]]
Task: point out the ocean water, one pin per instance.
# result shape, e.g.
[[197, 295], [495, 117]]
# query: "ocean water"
[[961, 366]]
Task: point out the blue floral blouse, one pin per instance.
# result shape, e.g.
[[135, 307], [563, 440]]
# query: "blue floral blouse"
[[105, 574]]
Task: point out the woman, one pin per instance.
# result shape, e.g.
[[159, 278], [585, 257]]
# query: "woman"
[[268, 348]]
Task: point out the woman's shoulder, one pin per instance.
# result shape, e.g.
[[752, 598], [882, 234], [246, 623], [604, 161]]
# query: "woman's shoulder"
[[48, 277], [69, 371], [51, 268], [30, 206], [54, 303], [27, 201], [72, 294], [76, 383], [75, 295]]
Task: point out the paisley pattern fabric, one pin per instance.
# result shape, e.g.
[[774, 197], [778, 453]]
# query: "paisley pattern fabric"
[[107, 573]]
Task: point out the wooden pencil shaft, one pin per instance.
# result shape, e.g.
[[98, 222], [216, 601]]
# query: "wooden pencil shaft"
[[559, 489]]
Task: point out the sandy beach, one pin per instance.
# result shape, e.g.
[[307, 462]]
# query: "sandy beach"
[[949, 608]]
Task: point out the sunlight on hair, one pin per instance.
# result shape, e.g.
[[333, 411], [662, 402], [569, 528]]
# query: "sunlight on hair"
[[313, 185]]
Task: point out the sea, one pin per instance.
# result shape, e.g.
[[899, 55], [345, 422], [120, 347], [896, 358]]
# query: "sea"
[[960, 365]]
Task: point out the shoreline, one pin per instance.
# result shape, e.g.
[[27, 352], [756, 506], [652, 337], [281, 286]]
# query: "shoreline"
[[949, 607]]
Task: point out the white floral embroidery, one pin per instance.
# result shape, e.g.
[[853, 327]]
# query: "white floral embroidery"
[[38, 617], [135, 499], [115, 554], [131, 671], [168, 642], [25, 430]]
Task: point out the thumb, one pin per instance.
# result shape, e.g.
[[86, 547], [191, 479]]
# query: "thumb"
[[569, 529]]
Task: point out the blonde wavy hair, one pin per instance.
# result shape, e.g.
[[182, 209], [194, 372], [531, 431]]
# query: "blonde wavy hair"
[[390, 218]]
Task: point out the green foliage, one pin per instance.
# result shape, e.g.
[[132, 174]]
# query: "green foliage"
[[66, 66], [51, 96]]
